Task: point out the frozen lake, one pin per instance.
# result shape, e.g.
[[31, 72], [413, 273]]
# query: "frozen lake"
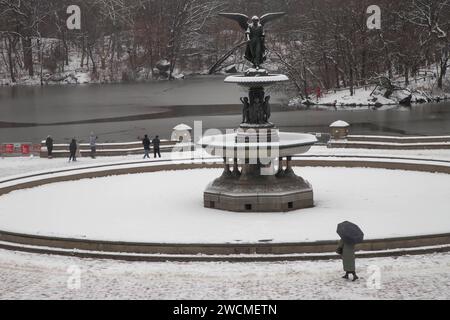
[[125, 111]]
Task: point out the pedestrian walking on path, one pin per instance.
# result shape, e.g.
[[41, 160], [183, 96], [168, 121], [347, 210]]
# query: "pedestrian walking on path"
[[350, 235], [93, 144], [49, 145], [156, 147], [347, 252], [73, 150], [146, 143]]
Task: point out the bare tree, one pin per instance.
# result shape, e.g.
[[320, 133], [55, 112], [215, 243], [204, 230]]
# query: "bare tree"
[[432, 19], [188, 18]]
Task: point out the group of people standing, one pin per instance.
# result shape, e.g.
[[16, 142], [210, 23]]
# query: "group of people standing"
[[75, 151], [156, 146], [74, 147]]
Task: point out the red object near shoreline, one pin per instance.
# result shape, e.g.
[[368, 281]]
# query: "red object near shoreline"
[[16, 149]]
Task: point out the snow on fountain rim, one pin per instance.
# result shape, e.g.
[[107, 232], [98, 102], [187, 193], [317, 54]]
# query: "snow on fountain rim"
[[242, 79], [167, 207], [287, 140]]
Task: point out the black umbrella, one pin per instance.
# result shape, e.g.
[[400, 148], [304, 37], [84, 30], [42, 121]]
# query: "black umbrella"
[[350, 232]]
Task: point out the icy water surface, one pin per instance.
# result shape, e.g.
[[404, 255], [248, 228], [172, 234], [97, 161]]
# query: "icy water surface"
[[120, 112]]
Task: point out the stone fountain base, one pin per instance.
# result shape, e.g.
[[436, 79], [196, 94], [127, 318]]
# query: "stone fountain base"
[[255, 189]]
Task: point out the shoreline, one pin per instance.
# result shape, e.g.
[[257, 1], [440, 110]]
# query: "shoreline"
[[422, 99], [435, 100], [35, 82]]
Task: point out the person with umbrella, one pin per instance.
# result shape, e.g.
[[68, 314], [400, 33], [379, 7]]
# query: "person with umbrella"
[[350, 235]]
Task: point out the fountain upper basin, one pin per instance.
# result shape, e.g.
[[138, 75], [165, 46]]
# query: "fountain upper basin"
[[287, 144], [259, 80]]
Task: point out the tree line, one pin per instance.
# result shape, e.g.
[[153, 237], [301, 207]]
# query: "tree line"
[[322, 43]]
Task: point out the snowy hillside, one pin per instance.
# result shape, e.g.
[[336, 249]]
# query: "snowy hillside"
[[418, 91]]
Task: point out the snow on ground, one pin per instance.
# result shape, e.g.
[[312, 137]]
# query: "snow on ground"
[[22, 165], [364, 97], [421, 90], [361, 97], [73, 72], [32, 276], [167, 207]]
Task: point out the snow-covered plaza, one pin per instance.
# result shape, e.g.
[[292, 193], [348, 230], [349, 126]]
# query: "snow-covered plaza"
[[33, 276], [167, 207], [404, 210]]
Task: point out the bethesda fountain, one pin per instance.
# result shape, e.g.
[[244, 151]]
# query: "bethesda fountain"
[[258, 175]]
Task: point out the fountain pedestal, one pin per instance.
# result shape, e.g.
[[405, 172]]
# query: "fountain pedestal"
[[258, 176]]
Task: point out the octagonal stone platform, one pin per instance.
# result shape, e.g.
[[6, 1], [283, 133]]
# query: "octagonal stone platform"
[[259, 202], [249, 191]]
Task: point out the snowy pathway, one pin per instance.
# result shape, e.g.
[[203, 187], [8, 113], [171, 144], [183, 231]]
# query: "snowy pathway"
[[26, 276], [17, 166]]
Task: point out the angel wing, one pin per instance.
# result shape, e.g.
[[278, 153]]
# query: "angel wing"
[[240, 18], [271, 16]]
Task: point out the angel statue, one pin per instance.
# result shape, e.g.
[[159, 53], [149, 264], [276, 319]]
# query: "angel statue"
[[254, 33]]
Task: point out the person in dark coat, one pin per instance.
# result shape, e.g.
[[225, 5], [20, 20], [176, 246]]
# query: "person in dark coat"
[[49, 145], [156, 143], [347, 252], [146, 143], [73, 150]]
